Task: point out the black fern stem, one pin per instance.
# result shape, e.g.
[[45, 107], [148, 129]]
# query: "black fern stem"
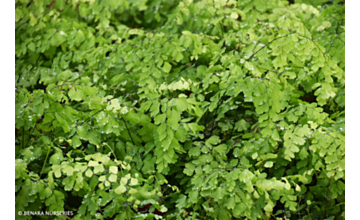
[[132, 140], [23, 138], [92, 116], [265, 46]]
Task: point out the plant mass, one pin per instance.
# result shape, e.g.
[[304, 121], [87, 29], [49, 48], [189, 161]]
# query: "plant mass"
[[193, 109]]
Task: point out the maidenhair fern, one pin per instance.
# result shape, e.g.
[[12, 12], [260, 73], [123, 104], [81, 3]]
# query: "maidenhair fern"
[[208, 109]]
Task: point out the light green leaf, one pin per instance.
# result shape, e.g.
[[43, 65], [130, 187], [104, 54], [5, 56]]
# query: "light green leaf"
[[181, 104], [167, 67], [99, 169], [89, 173], [120, 189], [93, 163], [268, 164], [136, 32], [76, 94], [113, 169], [269, 207], [112, 178], [179, 57], [133, 182], [68, 170]]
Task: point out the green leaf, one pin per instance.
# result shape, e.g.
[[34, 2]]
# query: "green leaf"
[[248, 136], [18, 14], [189, 169], [148, 147], [195, 151], [234, 15], [221, 149], [179, 57], [230, 203], [93, 163], [256, 194], [331, 158], [57, 170], [112, 178], [114, 105], [213, 140], [99, 169], [239, 209], [268, 164], [181, 202], [133, 182], [181, 104], [75, 141], [89, 173], [120, 189], [266, 131], [172, 123], [180, 134], [136, 32], [68, 170], [124, 180], [76, 94], [33, 20], [303, 153], [242, 125], [275, 135], [142, 194], [218, 194], [46, 193], [79, 38], [193, 196], [167, 67], [245, 176], [113, 169], [159, 119], [269, 207]]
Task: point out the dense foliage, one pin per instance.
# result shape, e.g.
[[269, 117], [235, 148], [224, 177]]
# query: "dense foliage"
[[206, 109]]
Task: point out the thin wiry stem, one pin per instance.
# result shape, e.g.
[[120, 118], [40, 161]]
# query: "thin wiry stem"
[[92, 116], [47, 155], [128, 131], [265, 46], [23, 138]]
